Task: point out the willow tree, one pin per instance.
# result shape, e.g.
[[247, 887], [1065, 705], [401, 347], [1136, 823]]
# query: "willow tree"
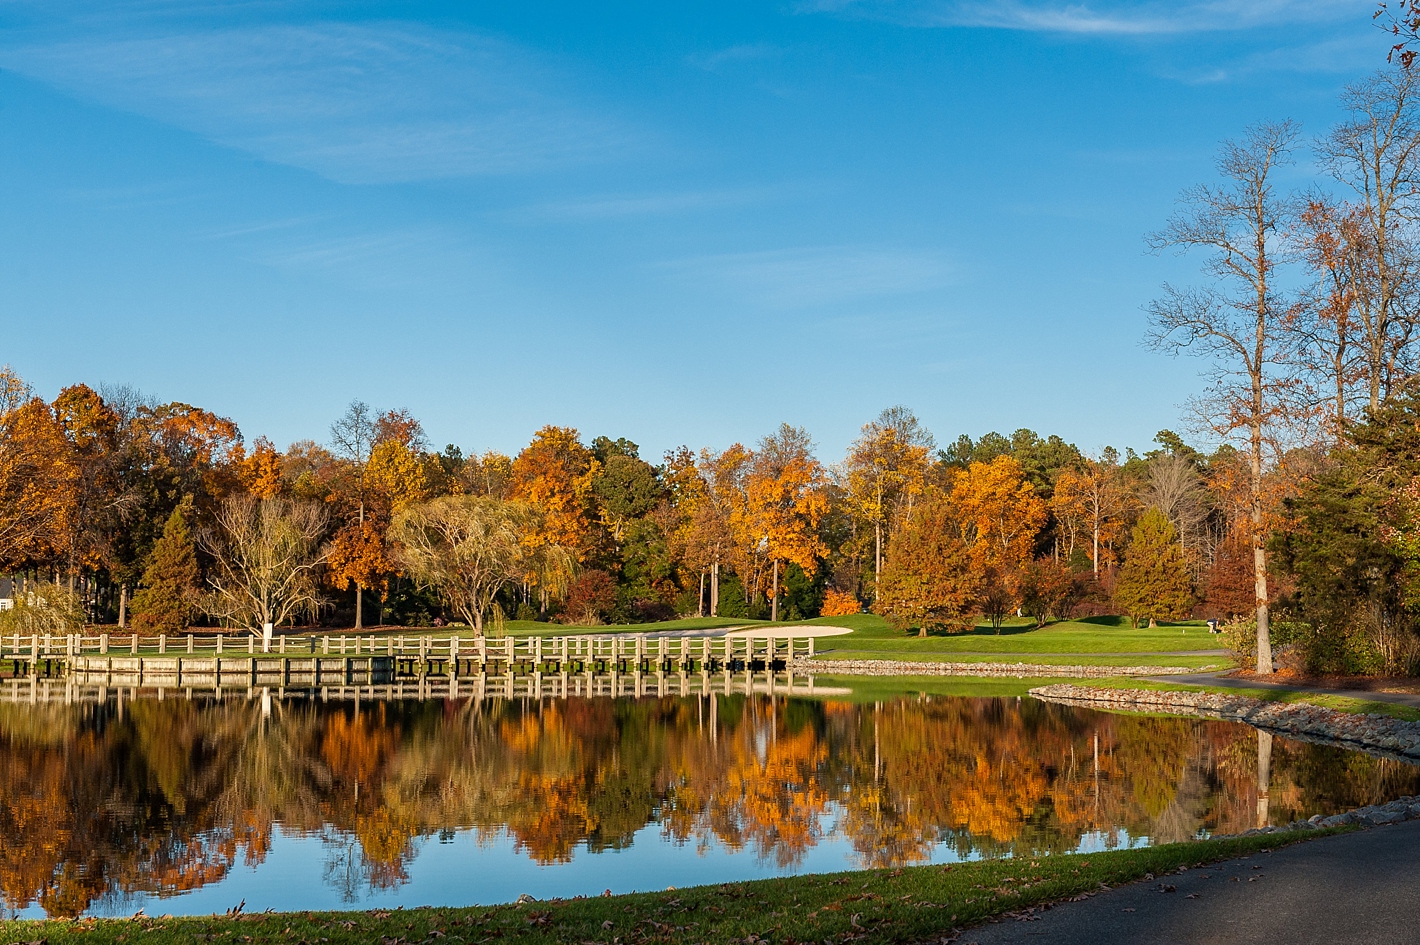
[[468, 548], [1239, 321], [266, 555]]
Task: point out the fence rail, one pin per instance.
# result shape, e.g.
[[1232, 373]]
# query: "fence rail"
[[402, 654]]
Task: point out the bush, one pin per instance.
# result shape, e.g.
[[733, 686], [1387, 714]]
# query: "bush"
[[1299, 646], [44, 608], [590, 599], [840, 604]]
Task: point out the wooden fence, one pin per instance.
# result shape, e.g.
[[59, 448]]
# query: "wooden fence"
[[402, 654]]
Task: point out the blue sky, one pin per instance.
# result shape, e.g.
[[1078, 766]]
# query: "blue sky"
[[675, 222]]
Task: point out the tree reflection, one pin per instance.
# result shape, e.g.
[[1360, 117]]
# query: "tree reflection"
[[102, 802]]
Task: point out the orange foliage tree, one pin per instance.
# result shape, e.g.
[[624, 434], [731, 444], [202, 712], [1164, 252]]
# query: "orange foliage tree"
[[785, 499], [928, 580]]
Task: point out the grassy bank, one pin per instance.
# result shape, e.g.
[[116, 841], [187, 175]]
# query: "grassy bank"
[[877, 906]]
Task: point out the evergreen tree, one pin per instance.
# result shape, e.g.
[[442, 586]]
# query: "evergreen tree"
[[169, 592], [1154, 583]]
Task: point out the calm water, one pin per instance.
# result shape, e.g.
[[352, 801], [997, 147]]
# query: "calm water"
[[191, 807]]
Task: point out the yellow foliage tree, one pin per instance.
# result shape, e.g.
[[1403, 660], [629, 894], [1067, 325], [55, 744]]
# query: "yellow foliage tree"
[[785, 499]]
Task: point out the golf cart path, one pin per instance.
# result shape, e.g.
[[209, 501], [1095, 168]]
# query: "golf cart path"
[[1354, 887]]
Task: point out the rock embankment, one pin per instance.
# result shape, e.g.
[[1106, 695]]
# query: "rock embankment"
[[831, 667], [1374, 734]]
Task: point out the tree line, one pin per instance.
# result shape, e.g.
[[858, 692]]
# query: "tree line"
[[117, 508]]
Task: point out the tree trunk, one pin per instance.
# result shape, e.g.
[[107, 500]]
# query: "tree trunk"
[[877, 555], [774, 601], [122, 606], [359, 607], [1096, 555], [1259, 560], [700, 599], [715, 589]]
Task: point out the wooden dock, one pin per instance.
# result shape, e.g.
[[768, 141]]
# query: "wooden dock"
[[318, 662]]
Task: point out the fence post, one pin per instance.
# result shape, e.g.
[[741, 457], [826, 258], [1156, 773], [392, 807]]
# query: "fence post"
[[219, 643], [189, 643], [163, 643]]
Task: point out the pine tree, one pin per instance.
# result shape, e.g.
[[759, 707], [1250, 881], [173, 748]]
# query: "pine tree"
[[1154, 583], [169, 591]]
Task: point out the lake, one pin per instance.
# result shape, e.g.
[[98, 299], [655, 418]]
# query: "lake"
[[188, 807]]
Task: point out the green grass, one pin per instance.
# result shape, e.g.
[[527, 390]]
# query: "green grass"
[[1338, 703], [1092, 636], [1041, 659], [869, 907]]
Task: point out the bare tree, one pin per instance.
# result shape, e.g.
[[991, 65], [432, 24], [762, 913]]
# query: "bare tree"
[[1376, 153], [266, 557], [1240, 322], [468, 548], [1175, 488], [1326, 326], [353, 436]]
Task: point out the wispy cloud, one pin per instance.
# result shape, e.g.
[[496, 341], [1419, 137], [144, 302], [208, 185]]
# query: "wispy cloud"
[[744, 52], [366, 103], [617, 206], [813, 276], [1101, 18]]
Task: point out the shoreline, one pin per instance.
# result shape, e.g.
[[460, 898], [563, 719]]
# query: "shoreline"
[[1378, 735]]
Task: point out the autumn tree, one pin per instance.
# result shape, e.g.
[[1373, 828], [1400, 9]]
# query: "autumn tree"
[[353, 437], [707, 493], [266, 558], [1239, 323], [1154, 583], [928, 580], [170, 592], [38, 478], [1047, 589], [1090, 499], [885, 470], [468, 548], [784, 502], [261, 470], [553, 475]]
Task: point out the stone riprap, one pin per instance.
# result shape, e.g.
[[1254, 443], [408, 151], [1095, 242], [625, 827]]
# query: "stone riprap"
[[832, 667], [1378, 735]]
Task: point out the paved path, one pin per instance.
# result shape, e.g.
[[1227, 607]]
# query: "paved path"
[[1232, 682], [1357, 887]]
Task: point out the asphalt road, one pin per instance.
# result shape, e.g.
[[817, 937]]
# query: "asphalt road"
[[1358, 887]]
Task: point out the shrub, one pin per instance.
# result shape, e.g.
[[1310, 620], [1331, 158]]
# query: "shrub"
[[840, 604], [590, 599]]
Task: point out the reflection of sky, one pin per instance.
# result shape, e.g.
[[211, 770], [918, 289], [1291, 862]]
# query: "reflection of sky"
[[464, 870]]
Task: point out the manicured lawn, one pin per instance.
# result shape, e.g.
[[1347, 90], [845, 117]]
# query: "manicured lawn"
[[870, 907], [1092, 635]]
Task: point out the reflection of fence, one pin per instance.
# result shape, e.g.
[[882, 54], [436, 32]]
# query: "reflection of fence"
[[217, 660], [75, 689]]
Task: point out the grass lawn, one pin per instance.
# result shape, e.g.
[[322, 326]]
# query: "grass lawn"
[[1091, 635], [869, 907]]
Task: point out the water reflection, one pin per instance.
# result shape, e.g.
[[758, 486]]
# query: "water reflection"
[[99, 804]]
